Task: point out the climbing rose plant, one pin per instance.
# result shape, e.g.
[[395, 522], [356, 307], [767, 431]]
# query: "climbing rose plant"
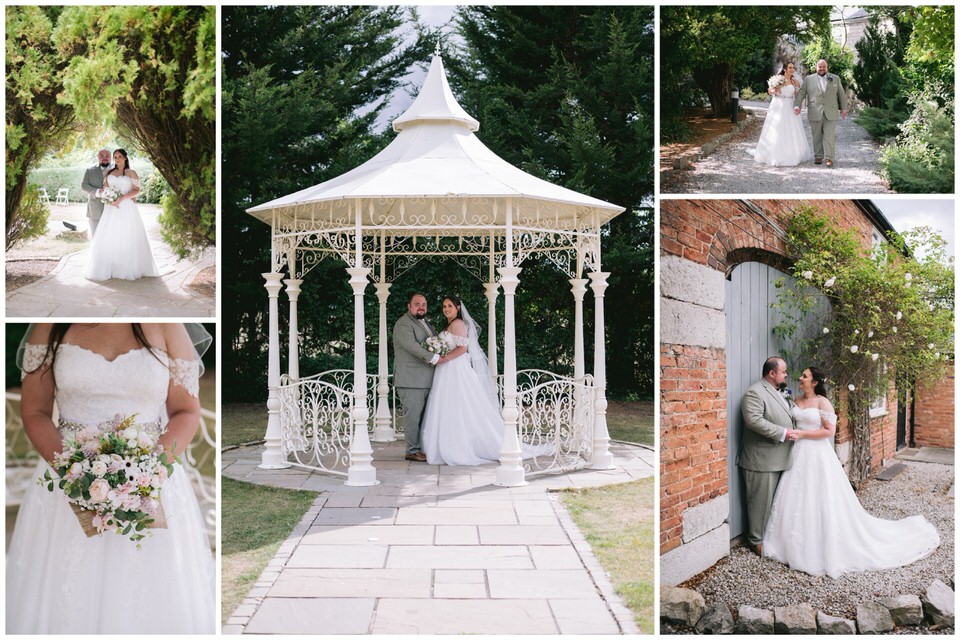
[[890, 319]]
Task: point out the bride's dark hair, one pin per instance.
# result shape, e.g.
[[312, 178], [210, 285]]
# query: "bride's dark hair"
[[126, 159], [820, 378], [456, 302], [783, 67]]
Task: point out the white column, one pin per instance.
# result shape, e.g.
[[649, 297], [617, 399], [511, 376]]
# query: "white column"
[[272, 458], [383, 430], [492, 293], [361, 472], [510, 472], [293, 343], [578, 286], [602, 458]]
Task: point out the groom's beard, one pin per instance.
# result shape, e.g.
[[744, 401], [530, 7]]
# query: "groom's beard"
[[782, 386], [104, 165], [420, 315]]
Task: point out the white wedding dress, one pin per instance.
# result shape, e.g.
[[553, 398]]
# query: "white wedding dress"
[[818, 526], [120, 248], [59, 581], [783, 141], [462, 424]]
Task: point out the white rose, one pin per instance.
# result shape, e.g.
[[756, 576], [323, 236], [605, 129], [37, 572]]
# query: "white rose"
[[870, 334], [908, 277], [894, 329], [76, 469], [99, 468], [936, 356], [899, 315], [852, 387], [875, 357], [808, 274], [830, 282], [129, 433], [144, 440], [854, 349], [930, 346], [826, 330]]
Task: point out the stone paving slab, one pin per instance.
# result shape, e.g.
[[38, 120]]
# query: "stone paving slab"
[[466, 616], [434, 550]]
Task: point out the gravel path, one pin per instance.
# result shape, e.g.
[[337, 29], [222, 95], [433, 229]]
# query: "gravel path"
[[743, 578], [732, 168]]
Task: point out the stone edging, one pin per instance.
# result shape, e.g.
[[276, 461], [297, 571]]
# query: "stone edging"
[[709, 147], [934, 609]]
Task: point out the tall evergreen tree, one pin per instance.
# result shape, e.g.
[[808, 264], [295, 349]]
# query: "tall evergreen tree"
[[302, 89], [567, 95]]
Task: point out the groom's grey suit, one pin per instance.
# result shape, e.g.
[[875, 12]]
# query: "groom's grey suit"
[[764, 452], [412, 373], [92, 182], [823, 111]]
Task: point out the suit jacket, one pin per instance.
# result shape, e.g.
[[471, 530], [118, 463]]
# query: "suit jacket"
[[766, 417], [92, 181], [411, 362], [822, 104]]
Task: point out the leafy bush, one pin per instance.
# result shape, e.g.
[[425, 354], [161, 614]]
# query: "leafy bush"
[[31, 220], [921, 160], [877, 76], [153, 188], [881, 123], [839, 59]]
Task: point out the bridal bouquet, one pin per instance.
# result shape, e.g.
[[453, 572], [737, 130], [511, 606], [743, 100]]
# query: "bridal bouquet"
[[434, 344], [775, 81], [112, 477], [109, 195]]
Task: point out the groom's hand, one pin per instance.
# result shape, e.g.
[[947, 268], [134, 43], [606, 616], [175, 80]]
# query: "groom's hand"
[[796, 111], [843, 114]]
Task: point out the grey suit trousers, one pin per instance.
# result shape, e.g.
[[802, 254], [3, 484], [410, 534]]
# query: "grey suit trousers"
[[413, 400], [761, 487], [824, 134]]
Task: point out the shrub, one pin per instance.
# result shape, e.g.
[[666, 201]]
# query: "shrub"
[[31, 219], [882, 123], [921, 160], [153, 189]]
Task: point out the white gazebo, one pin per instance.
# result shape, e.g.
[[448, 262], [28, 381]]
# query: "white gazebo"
[[435, 191]]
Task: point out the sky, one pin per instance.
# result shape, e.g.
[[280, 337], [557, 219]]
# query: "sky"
[[908, 214]]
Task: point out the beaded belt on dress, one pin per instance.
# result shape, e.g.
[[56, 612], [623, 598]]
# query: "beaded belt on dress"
[[70, 425]]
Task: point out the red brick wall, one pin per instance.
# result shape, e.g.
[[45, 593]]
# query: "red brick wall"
[[934, 413], [693, 433], [693, 418]]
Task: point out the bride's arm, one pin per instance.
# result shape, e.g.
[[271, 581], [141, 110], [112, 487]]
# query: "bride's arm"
[[828, 420], [134, 186], [459, 329], [36, 396], [183, 402]]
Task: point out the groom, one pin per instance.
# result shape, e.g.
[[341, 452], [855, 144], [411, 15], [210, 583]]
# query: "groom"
[[765, 449], [92, 184], [413, 370], [825, 99]]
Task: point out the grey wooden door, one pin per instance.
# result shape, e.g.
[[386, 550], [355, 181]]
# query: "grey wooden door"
[[750, 291]]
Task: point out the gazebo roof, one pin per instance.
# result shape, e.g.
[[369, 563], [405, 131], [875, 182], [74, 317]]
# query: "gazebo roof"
[[437, 173]]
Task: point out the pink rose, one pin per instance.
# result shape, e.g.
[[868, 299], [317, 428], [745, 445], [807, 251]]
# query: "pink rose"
[[148, 505], [99, 490]]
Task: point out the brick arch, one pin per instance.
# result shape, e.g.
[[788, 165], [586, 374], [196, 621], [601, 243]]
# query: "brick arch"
[[746, 236], [753, 254]]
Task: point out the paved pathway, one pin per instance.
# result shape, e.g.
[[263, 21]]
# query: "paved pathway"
[[64, 292], [731, 169], [434, 550]]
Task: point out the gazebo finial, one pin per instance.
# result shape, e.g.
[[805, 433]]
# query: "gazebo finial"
[[436, 50]]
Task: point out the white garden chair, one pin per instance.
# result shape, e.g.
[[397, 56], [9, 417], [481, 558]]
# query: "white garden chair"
[[63, 196], [43, 195]]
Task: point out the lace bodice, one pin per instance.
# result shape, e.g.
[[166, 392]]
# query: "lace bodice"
[[92, 390], [123, 184], [811, 418], [452, 340], [787, 91]]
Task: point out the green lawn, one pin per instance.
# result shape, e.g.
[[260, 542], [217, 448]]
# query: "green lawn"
[[255, 520], [618, 522]]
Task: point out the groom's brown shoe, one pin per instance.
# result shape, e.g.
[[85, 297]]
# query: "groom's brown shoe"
[[817, 161], [419, 456], [757, 549], [829, 163]]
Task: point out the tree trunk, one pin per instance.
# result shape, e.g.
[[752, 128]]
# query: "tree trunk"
[[716, 81], [858, 419]]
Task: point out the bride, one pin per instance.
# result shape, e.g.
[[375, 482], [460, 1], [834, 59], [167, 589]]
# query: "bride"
[[120, 248], [783, 141], [59, 581], [817, 524], [462, 424]]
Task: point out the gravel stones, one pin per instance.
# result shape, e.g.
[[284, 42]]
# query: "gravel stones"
[[938, 604], [906, 610], [795, 619], [829, 625], [684, 606], [873, 617], [753, 621], [715, 621]]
